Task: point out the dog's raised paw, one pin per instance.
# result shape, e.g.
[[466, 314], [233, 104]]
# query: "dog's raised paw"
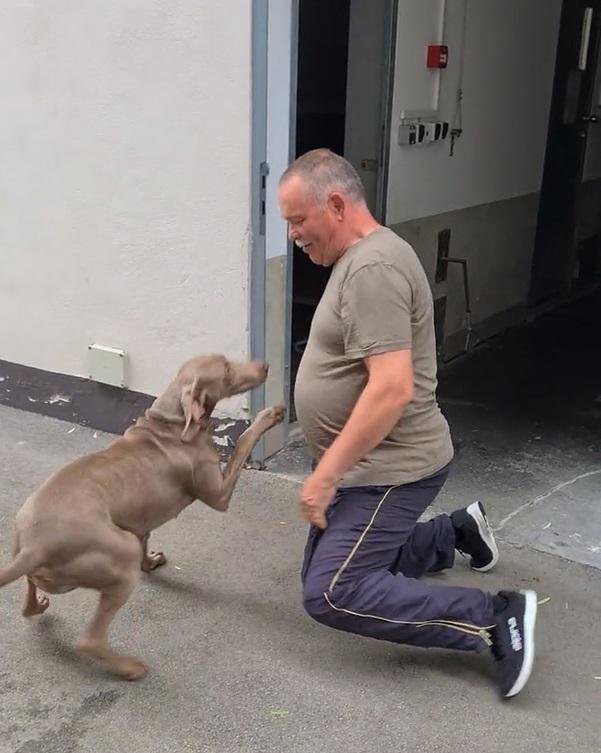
[[272, 416]]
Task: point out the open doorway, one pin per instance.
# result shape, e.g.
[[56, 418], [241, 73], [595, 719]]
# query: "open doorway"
[[567, 253], [342, 103]]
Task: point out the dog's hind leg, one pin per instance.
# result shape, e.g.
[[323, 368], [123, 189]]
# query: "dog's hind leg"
[[94, 641], [34, 604], [114, 575], [150, 560]]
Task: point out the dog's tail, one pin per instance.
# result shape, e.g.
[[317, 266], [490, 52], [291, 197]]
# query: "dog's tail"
[[24, 563]]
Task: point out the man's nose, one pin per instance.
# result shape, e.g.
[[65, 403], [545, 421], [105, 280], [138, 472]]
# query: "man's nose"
[[292, 234]]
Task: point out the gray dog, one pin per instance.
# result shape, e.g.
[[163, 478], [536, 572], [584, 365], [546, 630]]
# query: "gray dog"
[[88, 525]]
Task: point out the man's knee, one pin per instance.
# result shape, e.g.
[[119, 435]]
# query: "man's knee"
[[315, 602]]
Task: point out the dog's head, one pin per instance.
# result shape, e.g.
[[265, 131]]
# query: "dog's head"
[[200, 384]]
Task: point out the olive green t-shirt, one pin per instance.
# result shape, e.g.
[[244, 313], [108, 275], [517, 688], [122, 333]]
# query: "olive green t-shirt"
[[377, 300]]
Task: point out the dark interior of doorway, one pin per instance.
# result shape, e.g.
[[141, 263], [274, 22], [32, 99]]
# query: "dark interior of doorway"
[[564, 261], [322, 49], [323, 31]]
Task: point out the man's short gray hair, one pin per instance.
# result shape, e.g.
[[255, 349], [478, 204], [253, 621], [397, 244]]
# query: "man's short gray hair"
[[322, 171]]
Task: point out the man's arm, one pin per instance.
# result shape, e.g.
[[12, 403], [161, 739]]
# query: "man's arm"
[[388, 390]]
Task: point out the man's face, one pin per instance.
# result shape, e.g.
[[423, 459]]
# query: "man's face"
[[312, 228]]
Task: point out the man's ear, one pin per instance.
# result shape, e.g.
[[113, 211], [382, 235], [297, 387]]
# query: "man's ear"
[[336, 204], [194, 404]]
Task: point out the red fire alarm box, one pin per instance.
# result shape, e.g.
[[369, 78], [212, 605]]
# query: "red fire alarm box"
[[437, 56]]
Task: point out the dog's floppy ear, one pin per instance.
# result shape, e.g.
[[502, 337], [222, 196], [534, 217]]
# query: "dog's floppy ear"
[[194, 405]]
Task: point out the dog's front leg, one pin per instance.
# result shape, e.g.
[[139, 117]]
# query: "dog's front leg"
[[264, 421]]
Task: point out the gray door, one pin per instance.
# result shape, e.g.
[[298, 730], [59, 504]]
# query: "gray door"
[[370, 43]]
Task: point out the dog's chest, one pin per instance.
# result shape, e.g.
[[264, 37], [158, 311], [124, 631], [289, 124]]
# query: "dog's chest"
[[145, 515], [163, 513]]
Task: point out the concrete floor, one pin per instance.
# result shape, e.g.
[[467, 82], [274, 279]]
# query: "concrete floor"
[[235, 663]]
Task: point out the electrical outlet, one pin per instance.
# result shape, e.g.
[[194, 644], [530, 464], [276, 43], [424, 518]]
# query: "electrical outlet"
[[407, 134], [107, 365], [430, 131]]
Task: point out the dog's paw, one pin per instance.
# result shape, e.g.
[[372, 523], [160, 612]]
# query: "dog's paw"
[[127, 667], [39, 606], [272, 416], [153, 560], [130, 668]]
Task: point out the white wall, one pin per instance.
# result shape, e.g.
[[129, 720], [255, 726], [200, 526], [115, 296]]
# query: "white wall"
[[124, 188], [508, 77]]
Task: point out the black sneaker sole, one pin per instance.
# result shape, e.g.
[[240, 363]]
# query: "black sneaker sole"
[[477, 514], [530, 610]]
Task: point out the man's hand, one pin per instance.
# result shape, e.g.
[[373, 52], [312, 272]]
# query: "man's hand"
[[315, 496]]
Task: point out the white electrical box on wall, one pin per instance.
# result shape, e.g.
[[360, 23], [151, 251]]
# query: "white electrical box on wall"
[[416, 132], [106, 365]]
